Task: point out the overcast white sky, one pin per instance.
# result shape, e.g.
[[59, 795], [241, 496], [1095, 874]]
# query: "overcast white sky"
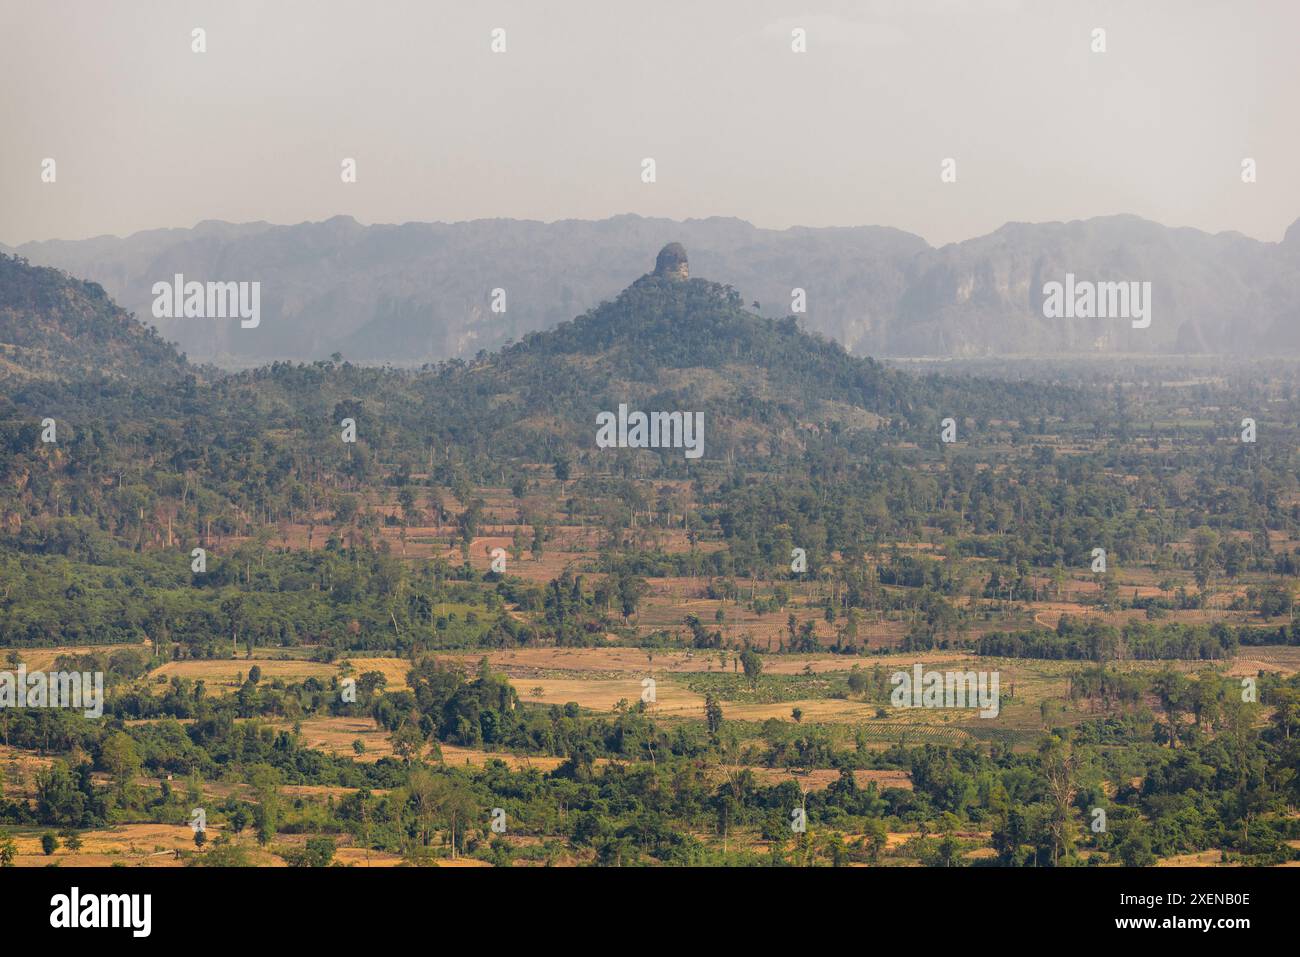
[[146, 133]]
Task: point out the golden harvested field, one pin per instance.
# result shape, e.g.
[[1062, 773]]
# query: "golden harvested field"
[[394, 669], [42, 659], [134, 845], [223, 673], [454, 755], [360, 857], [336, 734], [461, 862], [603, 694]]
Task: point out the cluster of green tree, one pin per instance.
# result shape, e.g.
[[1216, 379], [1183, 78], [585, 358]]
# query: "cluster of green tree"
[[1219, 781], [1083, 639], [253, 596]]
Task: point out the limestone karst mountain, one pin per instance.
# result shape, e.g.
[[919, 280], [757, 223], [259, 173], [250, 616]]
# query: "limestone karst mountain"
[[420, 292]]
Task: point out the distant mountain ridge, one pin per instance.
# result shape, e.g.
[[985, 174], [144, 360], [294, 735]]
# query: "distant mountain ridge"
[[422, 292]]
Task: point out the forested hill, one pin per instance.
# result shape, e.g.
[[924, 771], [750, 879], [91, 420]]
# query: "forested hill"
[[661, 324], [765, 387], [52, 325], [691, 345]]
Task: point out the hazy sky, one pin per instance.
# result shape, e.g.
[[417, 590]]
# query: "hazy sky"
[[147, 133]]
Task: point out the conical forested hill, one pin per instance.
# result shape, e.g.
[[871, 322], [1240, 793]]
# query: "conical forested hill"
[[671, 344], [659, 325]]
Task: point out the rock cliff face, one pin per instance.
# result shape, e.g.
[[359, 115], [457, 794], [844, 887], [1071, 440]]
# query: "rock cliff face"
[[671, 262]]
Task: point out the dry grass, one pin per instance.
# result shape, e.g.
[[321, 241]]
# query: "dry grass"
[[603, 694], [222, 674], [335, 735], [822, 778], [133, 845], [42, 659], [19, 769], [393, 669]]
